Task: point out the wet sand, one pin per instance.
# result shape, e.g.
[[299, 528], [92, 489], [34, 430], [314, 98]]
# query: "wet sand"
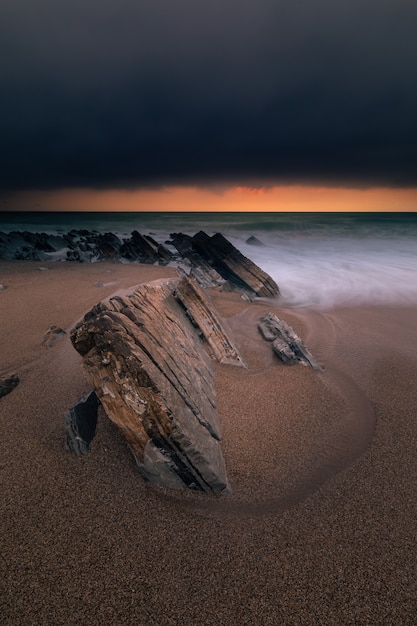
[[320, 528]]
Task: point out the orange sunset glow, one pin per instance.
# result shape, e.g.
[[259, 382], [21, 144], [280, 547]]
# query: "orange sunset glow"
[[283, 198]]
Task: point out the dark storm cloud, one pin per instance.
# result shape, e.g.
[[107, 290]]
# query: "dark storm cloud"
[[120, 93]]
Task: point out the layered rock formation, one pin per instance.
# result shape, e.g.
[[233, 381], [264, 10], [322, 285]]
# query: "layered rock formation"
[[227, 261], [211, 261], [203, 315], [146, 357], [83, 246], [286, 344]]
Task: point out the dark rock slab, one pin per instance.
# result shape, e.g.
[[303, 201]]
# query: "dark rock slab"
[[193, 264], [165, 255], [233, 265], [148, 366], [8, 383], [29, 246], [81, 423], [183, 243], [107, 246], [139, 248], [216, 262], [286, 344]]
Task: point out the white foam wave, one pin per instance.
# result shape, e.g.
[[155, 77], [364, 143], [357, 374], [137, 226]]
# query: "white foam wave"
[[325, 272]]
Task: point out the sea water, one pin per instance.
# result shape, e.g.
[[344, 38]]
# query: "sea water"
[[318, 259]]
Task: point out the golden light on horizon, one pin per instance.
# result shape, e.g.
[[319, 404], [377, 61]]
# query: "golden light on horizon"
[[235, 199]]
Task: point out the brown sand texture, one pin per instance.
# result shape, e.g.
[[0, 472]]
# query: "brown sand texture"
[[320, 528]]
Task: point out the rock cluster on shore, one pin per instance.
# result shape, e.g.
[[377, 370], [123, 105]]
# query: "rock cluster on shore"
[[226, 263], [147, 358], [82, 245], [211, 261], [147, 355]]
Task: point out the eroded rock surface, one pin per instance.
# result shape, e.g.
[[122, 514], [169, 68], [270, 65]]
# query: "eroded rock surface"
[[203, 315], [228, 262], [145, 357], [286, 344]]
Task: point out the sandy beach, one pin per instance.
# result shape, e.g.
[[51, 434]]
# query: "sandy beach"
[[321, 526]]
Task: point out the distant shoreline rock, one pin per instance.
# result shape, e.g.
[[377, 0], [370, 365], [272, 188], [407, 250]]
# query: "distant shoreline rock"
[[212, 261], [254, 241]]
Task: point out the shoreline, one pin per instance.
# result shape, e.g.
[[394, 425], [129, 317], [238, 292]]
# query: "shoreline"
[[307, 530]]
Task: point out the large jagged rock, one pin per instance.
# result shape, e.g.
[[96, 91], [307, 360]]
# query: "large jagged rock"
[[193, 264], [139, 248], [286, 344], [222, 256], [145, 357], [233, 265]]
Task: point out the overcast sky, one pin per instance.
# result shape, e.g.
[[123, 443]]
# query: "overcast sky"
[[148, 93]]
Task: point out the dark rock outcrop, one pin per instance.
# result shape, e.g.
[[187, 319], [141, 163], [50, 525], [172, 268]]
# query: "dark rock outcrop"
[[193, 264], [254, 241], [286, 344], [233, 265], [107, 246], [29, 246], [211, 261], [145, 357], [8, 383], [227, 261], [140, 248], [81, 423], [83, 246]]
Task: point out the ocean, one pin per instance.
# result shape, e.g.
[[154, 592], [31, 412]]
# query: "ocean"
[[319, 260]]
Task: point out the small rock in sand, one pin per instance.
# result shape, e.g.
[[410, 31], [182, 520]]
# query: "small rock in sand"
[[7, 384], [52, 335]]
